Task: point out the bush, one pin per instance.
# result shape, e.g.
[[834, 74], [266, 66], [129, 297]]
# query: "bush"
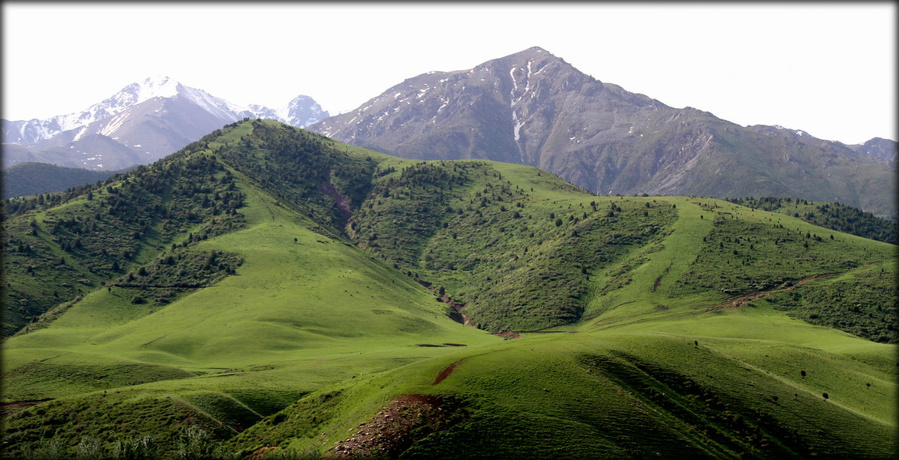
[[90, 448], [137, 448], [46, 449]]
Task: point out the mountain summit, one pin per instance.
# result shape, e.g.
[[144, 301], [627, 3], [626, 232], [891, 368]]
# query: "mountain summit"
[[534, 108], [139, 124]]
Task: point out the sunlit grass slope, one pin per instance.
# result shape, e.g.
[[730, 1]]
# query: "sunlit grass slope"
[[657, 366], [303, 309], [612, 394], [633, 326]]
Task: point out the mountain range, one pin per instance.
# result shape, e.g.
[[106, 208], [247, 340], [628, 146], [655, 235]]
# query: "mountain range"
[[529, 108], [138, 125], [269, 292]]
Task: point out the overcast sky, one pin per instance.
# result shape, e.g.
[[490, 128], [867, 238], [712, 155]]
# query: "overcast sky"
[[828, 69]]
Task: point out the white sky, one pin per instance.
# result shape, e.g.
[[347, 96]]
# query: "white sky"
[[828, 69]]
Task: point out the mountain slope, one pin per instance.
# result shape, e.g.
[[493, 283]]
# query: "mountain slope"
[[140, 124], [280, 300], [884, 149], [534, 108], [33, 178]]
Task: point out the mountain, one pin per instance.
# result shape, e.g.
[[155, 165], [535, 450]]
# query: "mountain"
[[534, 108], [269, 291], [138, 125], [33, 178], [877, 147]]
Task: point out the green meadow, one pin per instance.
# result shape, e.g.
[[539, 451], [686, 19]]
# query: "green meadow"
[[310, 299]]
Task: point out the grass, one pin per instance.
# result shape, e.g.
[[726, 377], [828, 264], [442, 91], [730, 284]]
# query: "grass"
[[317, 330], [602, 388]]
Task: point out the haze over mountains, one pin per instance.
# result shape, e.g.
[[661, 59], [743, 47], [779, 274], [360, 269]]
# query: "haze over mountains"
[[529, 108], [138, 125]]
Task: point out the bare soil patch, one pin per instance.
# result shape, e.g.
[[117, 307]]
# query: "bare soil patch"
[[343, 204], [446, 372], [11, 407], [736, 303], [401, 422], [659, 279]]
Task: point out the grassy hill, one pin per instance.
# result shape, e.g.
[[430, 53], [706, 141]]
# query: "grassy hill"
[[834, 216], [289, 295]]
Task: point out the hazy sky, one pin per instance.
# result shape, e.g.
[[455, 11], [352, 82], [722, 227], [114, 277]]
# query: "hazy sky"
[[828, 69]]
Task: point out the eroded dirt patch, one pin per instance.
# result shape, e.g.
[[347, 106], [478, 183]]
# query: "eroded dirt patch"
[[260, 452], [404, 420], [11, 407], [446, 372], [762, 294]]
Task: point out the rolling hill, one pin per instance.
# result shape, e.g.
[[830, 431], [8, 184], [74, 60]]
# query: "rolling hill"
[[270, 291]]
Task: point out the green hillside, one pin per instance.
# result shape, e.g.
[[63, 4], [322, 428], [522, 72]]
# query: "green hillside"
[[270, 291], [834, 216]]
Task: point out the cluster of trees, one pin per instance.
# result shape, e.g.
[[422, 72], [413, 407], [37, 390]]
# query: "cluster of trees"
[[404, 209], [62, 243], [176, 272], [540, 272], [740, 257], [465, 229], [300, 168], [863, 306], [16, 206], [835, 216]]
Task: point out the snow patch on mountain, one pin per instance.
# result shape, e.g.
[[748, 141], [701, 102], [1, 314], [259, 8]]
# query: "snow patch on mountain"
[[301, 111], [113, 125], [216, 106], [159, 86]]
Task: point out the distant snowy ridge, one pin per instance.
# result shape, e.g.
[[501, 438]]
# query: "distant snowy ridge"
[[300, 112]]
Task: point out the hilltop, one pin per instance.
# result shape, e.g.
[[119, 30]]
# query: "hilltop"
[[268, 289]]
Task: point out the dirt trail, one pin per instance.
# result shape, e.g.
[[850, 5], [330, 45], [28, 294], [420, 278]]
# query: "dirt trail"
[[762, 294], [446, 372], [10, 407], [659, 279], [25, 403]]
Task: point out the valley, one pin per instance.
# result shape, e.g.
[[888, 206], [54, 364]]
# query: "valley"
[[270, 291]]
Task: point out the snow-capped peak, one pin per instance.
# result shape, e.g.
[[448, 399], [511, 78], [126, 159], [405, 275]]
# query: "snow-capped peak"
[[300, 112], [157, 86]]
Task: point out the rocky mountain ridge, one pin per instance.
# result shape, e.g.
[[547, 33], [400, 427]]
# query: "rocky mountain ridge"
[[534, 108]]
